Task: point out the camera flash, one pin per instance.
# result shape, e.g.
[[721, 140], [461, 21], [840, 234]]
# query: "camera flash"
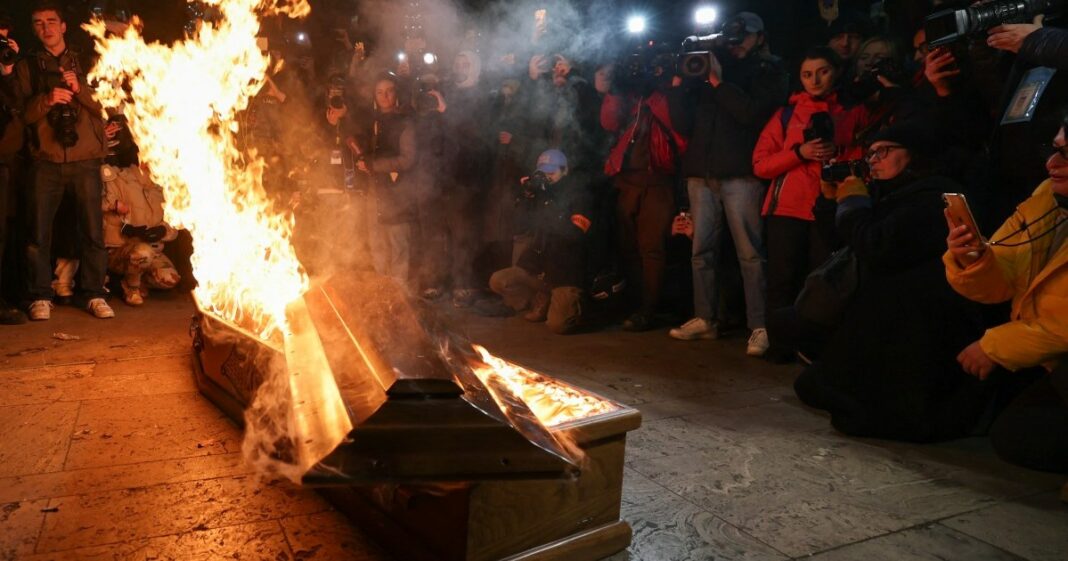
[[704, 15], [636, 24], [429, 58], [402, 57]]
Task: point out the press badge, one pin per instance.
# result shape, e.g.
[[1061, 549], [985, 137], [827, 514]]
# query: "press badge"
[[1022, 107], [335, 157]]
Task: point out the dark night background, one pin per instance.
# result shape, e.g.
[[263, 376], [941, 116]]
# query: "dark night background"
[[792, 24]]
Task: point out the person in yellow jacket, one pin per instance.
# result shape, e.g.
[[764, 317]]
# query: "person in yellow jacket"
[[1025, 261]]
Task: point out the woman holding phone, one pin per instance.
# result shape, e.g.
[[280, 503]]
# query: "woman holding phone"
[[1025, 261]]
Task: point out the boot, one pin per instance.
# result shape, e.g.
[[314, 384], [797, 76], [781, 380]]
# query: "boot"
[[539, 308]]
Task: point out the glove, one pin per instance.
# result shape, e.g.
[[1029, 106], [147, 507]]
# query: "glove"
[[851, 187]]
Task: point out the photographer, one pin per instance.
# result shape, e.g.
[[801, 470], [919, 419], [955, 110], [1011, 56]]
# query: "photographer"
[[642, 164], [67, 145], [1025, 261], [550, 274], [813, 129], [390, 162], [887, 369], [723, 117], [881, 85], [11, 139]]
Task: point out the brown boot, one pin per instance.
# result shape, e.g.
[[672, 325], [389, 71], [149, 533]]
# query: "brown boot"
[[539, 308]]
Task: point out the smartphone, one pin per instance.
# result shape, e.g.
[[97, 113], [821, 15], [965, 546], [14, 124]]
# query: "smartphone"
[[961, 214]]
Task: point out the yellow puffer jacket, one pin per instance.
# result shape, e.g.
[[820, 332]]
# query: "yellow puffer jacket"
[[1037, 283]]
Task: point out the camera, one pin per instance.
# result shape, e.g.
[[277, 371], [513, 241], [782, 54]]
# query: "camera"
[[646, 68], [820, 127], [536, 189], [694, 62], [335, 92], [62, 117], [8, 56], [424, 102], [868, 83], [948, 26], [839, 171]]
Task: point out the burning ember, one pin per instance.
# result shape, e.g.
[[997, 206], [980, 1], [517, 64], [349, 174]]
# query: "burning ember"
[[551, 402]]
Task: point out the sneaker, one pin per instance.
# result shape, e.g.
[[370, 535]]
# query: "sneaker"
[[41, 310], [134, 298], [10, 316], [539, 308], [637, 322], [696, 328], [100, 309], [758, 343]]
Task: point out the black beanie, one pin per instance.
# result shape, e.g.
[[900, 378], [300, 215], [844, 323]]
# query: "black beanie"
[[920, 139]]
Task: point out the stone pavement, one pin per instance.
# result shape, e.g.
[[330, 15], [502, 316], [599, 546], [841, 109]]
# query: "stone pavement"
[[109, 453]]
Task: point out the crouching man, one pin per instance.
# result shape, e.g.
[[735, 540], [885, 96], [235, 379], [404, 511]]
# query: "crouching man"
[[550, 263], [134, 232]]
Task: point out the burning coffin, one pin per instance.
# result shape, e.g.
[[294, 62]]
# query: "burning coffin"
[[451, 454]]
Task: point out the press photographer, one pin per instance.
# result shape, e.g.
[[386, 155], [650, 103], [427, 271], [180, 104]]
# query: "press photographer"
[[67, 144], [887, 369], [723, 113], [550, 276], [11, 138]]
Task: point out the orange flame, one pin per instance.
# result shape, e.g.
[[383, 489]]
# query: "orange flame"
[[552, 402]]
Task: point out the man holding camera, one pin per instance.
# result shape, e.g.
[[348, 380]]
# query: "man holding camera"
[[67, 144], [727, 111], [11, 138], [550, 273]]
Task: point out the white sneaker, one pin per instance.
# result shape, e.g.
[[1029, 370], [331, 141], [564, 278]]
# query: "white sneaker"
[[696, 328], [41, 310], [758, 343], [99, 308]]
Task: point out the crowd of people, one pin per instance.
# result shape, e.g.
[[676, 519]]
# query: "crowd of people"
[[559, 187]]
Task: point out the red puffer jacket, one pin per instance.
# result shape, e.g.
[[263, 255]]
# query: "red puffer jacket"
[[622, 116], [796, 182]]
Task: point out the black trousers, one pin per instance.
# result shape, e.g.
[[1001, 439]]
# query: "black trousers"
[[644, 210], [794, 249], [1033, 429]]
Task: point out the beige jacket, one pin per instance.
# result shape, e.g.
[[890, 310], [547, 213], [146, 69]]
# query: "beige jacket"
[[139, 194]]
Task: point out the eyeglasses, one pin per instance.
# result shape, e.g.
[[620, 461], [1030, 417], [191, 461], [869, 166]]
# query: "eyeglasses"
[[881, 152]]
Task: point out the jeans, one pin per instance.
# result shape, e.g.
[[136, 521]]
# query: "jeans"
[[49, 182], [735, 200]]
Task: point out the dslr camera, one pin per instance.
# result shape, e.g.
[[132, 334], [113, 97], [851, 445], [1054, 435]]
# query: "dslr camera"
[[949, 26], [839, 171], [695, 60], [335, 92], [536, 191], [62, 117], [8, 56]]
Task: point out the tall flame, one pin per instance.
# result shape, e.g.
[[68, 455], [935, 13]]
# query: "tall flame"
[[181, 102]]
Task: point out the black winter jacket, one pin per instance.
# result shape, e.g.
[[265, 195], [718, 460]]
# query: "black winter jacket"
[[724, 123]]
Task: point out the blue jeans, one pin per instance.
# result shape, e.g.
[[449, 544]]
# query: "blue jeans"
[[50, 180], [736, 199]]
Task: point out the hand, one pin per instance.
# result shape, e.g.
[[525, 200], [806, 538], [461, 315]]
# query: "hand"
[[504, 137], [1010, 36], [976, 362], [274, 91], [7, 69], [682, 226], [538, 65], [442, 106], [59, 96], [676, 81], [851, 186], [962, 244], [819, 150], [354, 147], [362, 166], [715, 71], [938, 72], [829, 190], [71, 80], [334, 116], [112, 129], [121, 207]]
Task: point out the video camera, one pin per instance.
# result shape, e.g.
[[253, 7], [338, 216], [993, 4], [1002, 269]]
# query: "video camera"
[[694, 61], [948, 26]]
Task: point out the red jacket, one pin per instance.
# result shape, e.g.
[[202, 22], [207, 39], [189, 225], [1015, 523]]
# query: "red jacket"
[[619, 116], [796, 182]]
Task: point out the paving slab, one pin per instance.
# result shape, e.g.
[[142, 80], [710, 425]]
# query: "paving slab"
[[20, 524], [329, 536], [112, 517], [1035, 527], [36, 437], [928, 543]]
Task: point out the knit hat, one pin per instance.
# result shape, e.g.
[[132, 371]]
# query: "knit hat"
[[919, 138]]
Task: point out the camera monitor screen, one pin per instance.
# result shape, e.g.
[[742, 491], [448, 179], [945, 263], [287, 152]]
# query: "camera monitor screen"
[[942, 27]]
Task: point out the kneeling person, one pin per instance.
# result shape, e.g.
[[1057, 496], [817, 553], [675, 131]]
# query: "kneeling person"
[[550, 269], [134, 232]]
